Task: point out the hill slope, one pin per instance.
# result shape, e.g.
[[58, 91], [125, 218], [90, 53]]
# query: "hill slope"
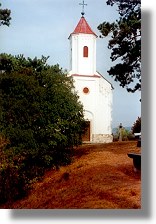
[[101, 176]]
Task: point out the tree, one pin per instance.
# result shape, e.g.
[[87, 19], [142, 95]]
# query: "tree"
[[124, 133], [5, 16], [125, 43], [39, 113], [136, 128]]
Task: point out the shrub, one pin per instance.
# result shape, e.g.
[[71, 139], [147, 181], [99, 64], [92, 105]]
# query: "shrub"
[[13, 182], [39, 112], [41, 117], [126, 135], [136, 128]]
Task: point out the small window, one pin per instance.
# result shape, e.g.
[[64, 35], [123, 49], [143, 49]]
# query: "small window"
[[85, 51]]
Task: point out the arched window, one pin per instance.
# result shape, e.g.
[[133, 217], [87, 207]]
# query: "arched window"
[[85, 51]]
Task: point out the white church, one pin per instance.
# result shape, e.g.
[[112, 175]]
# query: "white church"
[[94, 90]]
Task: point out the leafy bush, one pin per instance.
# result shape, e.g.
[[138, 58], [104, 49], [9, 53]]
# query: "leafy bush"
[[13, 183], [136, 128], [126, 135], [39, 115], [39, 111]]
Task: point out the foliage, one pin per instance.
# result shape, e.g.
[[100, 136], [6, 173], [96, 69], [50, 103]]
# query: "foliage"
[[40, 117], [38, 107], [13, 183], [125, 43], [136, 128], [5, 16], [126, 135]]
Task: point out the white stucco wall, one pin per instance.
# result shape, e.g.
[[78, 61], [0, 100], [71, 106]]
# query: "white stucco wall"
[[78, 63], [104, 112], [97, 104]]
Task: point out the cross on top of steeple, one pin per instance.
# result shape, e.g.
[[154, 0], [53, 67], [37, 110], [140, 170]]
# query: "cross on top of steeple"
[[83, 4]]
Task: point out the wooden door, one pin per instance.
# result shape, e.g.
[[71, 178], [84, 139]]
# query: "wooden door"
[[86, 135]]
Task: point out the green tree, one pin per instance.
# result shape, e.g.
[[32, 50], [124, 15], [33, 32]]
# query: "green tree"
[[136, 128], [5, 16], [125, 43], [126, 134], [39, 112]]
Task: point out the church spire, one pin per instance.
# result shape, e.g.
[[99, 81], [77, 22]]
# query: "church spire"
[[83, 27], [83, 4]]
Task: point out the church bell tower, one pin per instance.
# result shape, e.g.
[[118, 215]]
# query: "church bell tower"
[[95, 92], [82, 49]]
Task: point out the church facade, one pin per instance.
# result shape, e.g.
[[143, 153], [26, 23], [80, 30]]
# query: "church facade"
[[94, 90]]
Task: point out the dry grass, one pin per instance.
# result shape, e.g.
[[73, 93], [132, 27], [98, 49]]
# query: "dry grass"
[[101, 176]]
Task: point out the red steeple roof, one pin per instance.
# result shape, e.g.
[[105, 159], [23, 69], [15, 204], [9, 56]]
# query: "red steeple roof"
[[83, 27]]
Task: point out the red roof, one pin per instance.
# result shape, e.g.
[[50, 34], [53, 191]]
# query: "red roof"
[[83, 27]]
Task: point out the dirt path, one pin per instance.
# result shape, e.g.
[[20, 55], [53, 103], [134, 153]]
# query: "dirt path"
[[101, 176]]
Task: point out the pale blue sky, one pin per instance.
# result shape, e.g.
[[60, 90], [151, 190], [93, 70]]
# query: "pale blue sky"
[[42, 27]]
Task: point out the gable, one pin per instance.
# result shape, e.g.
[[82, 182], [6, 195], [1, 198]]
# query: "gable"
[[105, 81]]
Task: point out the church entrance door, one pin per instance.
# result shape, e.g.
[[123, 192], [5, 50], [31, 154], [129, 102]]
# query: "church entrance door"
[[86, 135]]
